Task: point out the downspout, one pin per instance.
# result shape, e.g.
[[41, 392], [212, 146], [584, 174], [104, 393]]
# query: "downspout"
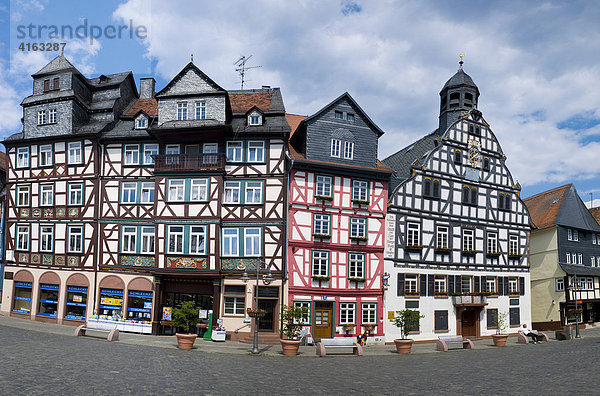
[[2, 241], [97, 209]]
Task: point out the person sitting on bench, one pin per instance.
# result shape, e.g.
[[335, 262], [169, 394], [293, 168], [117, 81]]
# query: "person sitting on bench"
[[530, 333]]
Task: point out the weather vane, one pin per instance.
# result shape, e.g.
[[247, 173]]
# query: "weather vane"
[[461, 55]]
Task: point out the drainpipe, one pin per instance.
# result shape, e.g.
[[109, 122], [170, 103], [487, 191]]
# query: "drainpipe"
[[2, 241]]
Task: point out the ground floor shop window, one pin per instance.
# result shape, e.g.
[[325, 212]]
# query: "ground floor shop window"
[[369, 313], [22, 299], [139, 305], [76, 302], [48, 300], [235, 300], [441, 320], [111, 303]]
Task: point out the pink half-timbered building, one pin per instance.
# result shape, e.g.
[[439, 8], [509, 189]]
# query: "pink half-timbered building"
[[337, 205]]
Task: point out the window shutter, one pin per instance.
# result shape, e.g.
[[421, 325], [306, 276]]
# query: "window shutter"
[[505, 285], [423, 287], [400, 291], [483, 284], [476, 287], [450, 284], [431, 286], [56, 83], [458, 283], [507, 202], [521, 285], [436, 188]]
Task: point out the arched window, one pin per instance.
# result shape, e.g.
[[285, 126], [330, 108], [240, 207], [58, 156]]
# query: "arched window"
[[427, 187]]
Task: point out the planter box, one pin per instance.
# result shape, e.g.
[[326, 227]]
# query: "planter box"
[[469, 300]]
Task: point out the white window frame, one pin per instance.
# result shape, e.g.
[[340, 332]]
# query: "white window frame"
[[569, 234], [22, 237], [75, 153], [172, 149], [348, 150], [235, 151], [230, 189], [358, 227], [238, 305], [320, 263], [252, 242], [492, 242], [129, 191], [197, 243], [52, 116], [441, 238], [575, 236], [323, 186], [513, 244], [177, 234], [200, 110], [254, 148], [593, 261], [23, 193], [148, 240], [356, 265], [411, 284], [254, 119], [22, 157], [75, 239], [360, 190], [150, 149], [210, 148], [141, 123], [182, 109], [513, 285], [589, 283], [491, 284], [336, 147], [232, 236], [147, 193], [46, 194], [199, 190], [176, 190], [46, 242], [305, 320], [579, 258], [347, 313], [253, 192], [45, 155], [131, 154], [41, 117], [75, 194], [559, 284], [413, 234], [440, 284], [466, 284], [468, 240], [370, 309], [322, 222], [128, 239]]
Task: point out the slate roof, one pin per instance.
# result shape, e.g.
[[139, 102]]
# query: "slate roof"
[[296, 156], [148, 106], [560, 206], [110, 79], [189, 66], [582, 270], [125, 129], [58, 64], [459, 79]]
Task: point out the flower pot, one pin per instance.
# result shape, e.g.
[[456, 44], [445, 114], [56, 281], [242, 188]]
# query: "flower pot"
[[185, 341], [403, 346], [290, 347], [500, 339]]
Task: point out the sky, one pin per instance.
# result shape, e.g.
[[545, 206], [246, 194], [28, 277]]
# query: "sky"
[[537, 64]]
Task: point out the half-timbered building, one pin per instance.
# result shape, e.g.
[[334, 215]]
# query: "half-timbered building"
[[456, 228], [337, 207]]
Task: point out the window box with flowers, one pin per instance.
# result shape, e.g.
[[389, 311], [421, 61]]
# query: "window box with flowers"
[[413, 247], [256, 313], [357, 280], [411, 294], [348, 327], [360, 202], [515, 256], [469, 252], [359, 238], [324, 198], [443, 250], [440, 294], [321, 278], [322, 236], [493, 254]]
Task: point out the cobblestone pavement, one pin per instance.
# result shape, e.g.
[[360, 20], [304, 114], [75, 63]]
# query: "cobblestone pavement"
[[34, 362]]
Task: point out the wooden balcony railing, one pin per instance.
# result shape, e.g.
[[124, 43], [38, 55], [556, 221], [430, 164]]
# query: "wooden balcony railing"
[[189, 163]]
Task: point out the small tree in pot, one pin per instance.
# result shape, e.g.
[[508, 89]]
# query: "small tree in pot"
[[185, 316], [500, 322], [291, 322], [405, 320]]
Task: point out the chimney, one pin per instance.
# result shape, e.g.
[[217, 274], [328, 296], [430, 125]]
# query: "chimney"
[[266, 87], [147, 88]]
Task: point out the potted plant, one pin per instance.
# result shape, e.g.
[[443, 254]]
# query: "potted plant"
[[291, 325], [405, 320], [256, 313], [185, 315], [499, 321], [348, 327]]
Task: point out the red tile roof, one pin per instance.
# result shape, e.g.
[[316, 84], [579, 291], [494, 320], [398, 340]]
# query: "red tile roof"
[[241, 102], [293, 121], [150, 107], [595, 212], [544, 207]]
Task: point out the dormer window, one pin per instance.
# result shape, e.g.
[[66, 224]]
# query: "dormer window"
[[254, 120], [182, 111], [141, 123]]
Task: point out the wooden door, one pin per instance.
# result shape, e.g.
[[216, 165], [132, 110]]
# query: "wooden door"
[[323, 323], [469, 328], [266, 322]]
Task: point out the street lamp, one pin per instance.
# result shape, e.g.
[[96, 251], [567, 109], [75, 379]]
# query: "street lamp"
[[267, 279]]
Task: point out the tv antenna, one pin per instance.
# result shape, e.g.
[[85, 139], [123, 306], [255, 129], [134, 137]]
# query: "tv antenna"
[[242, 68]]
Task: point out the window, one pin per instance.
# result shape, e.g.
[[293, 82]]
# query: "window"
[[513, 245], [210, 148], [350, 117], [358, 227], [514, 317], [466, 284], [199, 190], [305, 320], [22, 237], [230, 242], [575, 236], [348, 150], [469, 195], [336, 145], [128, 239], [46, 85], [413, 231], [492, 242], [253, 192], [48, 300], [46, 238], [129, 193], [75, 194], [172, 149], [74, 153], [56, 83], [440, 320], [490, 284], [322, 224], [338, 115], [235, 151], [76, 303], [492, 318], [201, 110], [147, 193], [147, 240], [411, 285], [149, 151], [46, 194], [486, 164], [458, 157], [431, 188], [22, 297], [176, 190], [252, 242], [439, 285], [360, 191], [504, 201], [513, 285], [254, 119], [42, 117], [75, 239], [23, 157], [141, 123], [574, 255], [347, 314], [197, 240], [468, 241], [52, 116], [320, 263], [132, 154], [594, 239], [256, 152], [593, 261], [356, 265], [441, 237], [369, 313], [45, 152], [579, 258], [589, 283], [323, 188], [232, 192], [176, 235], [182, 111], [235, 303], [23, 195]]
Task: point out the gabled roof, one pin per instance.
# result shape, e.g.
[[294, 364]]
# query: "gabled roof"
[[194, 68], [242, 102], [348, 97], [560, 206], [58, 64]]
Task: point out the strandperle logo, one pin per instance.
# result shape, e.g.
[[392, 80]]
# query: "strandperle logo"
[[82, 31]]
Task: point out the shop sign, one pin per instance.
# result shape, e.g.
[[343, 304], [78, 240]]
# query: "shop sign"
[[167, 313], [77, 298], [148, 305], [118, 302]]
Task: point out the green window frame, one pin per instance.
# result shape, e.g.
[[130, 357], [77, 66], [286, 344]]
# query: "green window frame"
[[345, 306], [307, 321], [358, 187], [316, 269], [243, 187], [71, 161], [190, 234], [241, 235], [140, 188], [70, 187], [363, 311], [230, 155], [142, 237], [186, 186]]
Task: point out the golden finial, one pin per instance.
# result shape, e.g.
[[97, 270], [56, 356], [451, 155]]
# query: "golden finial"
[[461, 55]]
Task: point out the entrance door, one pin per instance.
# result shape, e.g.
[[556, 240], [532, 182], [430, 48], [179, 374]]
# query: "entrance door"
[[266, 322], [469, 323], [323, 321]]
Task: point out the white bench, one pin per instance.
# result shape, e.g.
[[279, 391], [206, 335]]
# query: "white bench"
[[444, 343], [113, 335], [340, 342], [523, 339]]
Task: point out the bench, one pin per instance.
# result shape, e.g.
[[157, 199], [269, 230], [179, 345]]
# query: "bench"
[[113, 335], [444, 343], [523, 339], [338, 343]]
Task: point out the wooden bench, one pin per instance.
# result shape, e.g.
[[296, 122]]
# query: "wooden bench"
[[444, 343], [338, 343], [113, 335], [523, 339]]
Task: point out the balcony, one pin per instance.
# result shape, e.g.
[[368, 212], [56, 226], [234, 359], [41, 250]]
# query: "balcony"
[[469, 301], [179, 163]]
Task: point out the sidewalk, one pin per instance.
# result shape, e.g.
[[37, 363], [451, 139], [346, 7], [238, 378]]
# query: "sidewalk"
[[236, 348]]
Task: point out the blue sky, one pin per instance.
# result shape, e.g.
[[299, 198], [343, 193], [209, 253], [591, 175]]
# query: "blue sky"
[[537, 64]]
